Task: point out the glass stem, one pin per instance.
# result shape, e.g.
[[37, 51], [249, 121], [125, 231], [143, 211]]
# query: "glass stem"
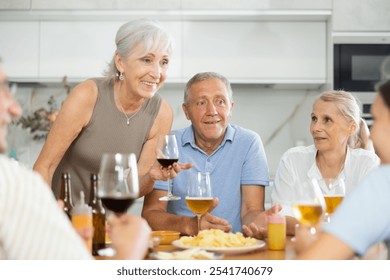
[[169, 185], [313, 231], [198, 216]]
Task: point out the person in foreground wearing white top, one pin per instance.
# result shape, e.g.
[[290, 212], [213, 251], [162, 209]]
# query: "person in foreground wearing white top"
[[32, 226], [341, 149], [362, 220]]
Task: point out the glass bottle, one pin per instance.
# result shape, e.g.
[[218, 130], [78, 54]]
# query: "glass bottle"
[[66, 194], [98, 216], [82, 218]]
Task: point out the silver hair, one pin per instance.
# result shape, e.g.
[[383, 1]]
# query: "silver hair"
[[131, 34], [204, 76], [349, 107]]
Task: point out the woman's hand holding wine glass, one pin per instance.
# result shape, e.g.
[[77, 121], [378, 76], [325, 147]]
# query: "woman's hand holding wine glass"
[[167, 154]]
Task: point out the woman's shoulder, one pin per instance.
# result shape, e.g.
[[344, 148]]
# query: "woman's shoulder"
[[363, 154]]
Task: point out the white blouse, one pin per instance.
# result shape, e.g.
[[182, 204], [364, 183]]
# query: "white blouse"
[[32, 226], [299, 163]]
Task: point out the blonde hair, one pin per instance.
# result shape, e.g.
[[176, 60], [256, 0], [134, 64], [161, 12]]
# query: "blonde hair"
[[349, 107]]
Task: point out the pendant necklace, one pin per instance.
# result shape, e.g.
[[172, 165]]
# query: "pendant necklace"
[[127, 117]]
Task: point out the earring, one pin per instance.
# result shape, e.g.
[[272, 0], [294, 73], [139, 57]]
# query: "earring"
[[121, 77]]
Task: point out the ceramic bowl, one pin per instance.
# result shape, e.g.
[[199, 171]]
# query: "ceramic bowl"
[[166, 236]]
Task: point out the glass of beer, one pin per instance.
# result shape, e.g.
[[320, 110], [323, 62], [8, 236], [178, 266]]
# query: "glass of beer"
[[334, 192], [308, 204], [199, 195]]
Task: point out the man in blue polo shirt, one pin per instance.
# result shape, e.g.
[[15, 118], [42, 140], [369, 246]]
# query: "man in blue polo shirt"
[[234, 157]]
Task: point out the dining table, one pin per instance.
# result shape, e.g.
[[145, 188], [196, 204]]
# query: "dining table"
[[376, 252]]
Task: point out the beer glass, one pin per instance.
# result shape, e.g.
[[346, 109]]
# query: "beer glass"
[[199, 196], [308, 204], [334, 192]]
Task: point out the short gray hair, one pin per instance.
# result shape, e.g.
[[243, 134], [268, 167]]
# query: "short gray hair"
[[204, 76], [132, 33]]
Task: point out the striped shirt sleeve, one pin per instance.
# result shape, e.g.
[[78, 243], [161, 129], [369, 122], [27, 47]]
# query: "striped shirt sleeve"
[[32, 226]]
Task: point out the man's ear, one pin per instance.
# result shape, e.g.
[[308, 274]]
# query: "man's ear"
[[185, 110]]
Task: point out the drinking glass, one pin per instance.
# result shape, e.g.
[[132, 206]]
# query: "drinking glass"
[[334, 192], [167, 154], [199, 195], [308, 204], [118, 188]]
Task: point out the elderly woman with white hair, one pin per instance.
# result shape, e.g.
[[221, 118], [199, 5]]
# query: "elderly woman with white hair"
[[123, 106]]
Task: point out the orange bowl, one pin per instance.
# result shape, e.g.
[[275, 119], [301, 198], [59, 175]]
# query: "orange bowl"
[[166, 236]]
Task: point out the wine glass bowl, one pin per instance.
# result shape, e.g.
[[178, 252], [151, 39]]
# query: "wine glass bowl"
[[308, 204], [199, 195], [118, 187], [167, 153], [333, 190]]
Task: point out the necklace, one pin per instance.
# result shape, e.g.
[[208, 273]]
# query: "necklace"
[[127, 117]]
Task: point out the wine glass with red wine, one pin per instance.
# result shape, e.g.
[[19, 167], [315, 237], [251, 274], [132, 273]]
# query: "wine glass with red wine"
[[119, 187], [167, 154]]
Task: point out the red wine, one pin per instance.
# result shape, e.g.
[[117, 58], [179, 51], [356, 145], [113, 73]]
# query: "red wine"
[[118, 204], [166, 162]]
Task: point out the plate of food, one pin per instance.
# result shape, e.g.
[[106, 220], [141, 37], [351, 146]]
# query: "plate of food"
[[189, 254], [217, 241]]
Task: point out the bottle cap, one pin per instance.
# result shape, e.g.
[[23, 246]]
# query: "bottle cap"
[[276, 219], [81, 208]]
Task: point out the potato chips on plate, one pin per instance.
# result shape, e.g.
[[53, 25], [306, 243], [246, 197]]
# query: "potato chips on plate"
[[215, 240]]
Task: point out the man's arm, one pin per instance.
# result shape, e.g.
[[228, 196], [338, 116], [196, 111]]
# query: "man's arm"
[[155, 212], [252, 203]]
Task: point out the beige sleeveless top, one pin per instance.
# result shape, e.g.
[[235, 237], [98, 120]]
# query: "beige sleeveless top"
[[107, 132]]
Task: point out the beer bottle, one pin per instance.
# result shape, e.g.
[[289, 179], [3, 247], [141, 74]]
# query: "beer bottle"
[[66, 194], [98, 216]]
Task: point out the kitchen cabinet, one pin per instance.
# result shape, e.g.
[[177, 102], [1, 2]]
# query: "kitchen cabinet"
[[256, 52], [15, 4], [166, 4], [256, 4], [19, 48], [82, 49], [366, 15], [109, 5]]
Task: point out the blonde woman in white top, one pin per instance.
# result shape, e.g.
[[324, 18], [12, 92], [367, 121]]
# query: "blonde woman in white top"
[[341, 149]]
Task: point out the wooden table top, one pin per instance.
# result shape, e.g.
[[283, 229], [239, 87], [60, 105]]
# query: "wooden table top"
[[260, 254], [376, 252]]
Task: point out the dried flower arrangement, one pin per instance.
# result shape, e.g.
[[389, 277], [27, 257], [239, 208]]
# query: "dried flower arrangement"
[[40, 121]]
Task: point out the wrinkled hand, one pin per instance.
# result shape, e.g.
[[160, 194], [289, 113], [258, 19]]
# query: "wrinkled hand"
[[209, 221], [258, 228], [130, 236], [157, 172]]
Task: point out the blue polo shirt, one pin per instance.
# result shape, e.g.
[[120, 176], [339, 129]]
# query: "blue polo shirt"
[[240, 160]]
